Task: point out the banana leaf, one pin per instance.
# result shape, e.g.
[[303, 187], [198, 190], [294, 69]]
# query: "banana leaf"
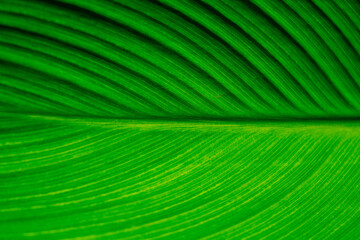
[[180, 119]]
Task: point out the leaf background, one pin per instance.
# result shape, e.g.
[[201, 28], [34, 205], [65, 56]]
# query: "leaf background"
[[179, 119]]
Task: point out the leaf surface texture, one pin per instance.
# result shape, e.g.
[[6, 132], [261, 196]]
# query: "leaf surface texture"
[[182, 119]]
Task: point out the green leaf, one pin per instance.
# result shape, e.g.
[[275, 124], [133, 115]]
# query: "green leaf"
[[169, 119]]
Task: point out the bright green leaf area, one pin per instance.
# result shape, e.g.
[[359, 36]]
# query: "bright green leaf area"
[[180, 119]]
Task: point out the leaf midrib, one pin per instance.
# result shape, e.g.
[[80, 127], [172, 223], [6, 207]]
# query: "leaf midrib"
[[350, 125]]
